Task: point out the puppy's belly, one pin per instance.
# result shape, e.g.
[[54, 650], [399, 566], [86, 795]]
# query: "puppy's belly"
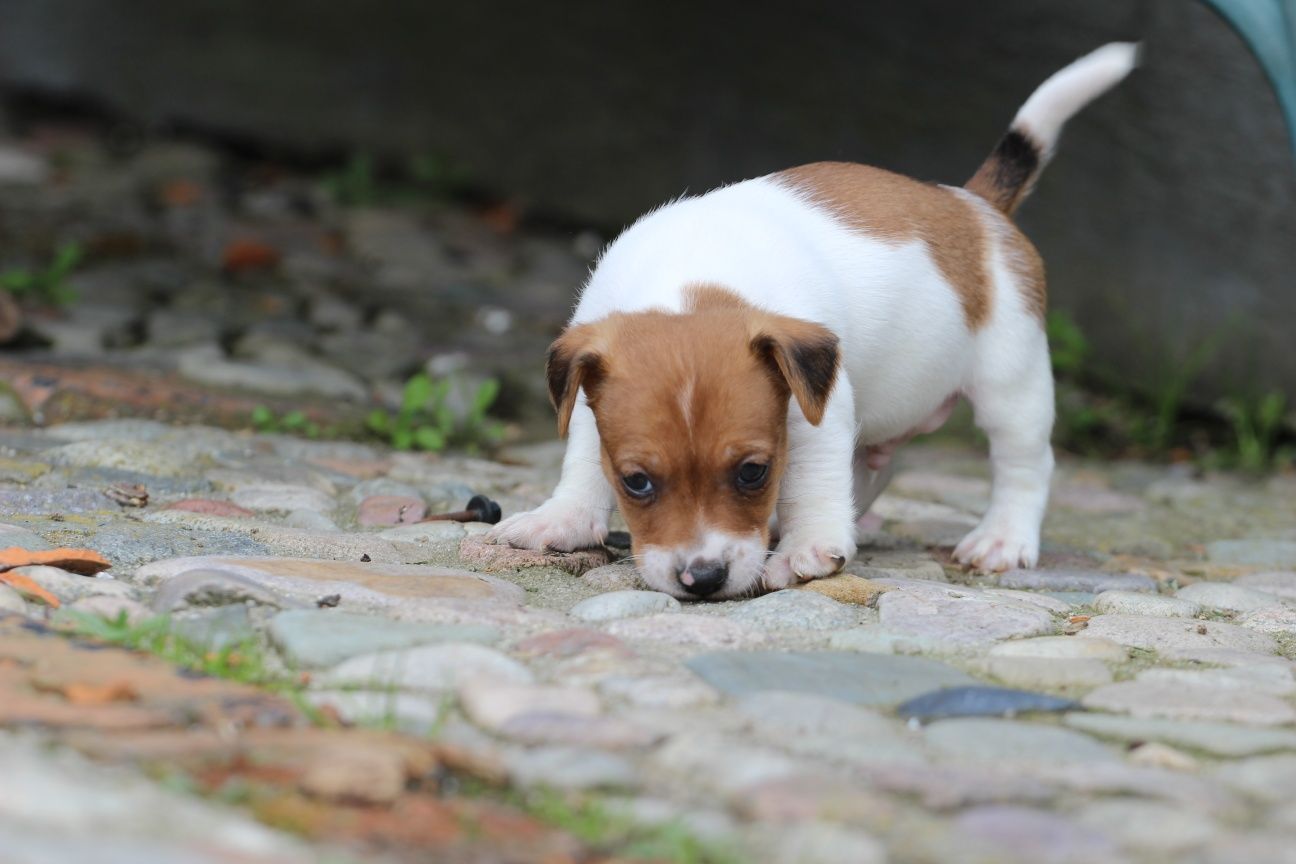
[[878, 449]]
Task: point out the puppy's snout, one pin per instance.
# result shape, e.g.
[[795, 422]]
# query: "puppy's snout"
[[704, 577]]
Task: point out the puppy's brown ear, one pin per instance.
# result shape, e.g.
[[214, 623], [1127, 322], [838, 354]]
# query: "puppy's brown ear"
[[804, 355], [573, 363]]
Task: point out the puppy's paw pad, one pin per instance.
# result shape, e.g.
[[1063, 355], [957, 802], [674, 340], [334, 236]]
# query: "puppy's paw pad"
[[552, 527], [998, 548]]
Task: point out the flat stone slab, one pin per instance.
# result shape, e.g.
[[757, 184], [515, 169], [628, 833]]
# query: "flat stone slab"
[[623, 604], [1278, 583], [313, 638], [438, 668], [497, 558], [1217, 739], [360, 586], [800, 610], [1141, 603], [1227, 597], [1081, 647], [959, 621], [1174, 634], [1179, 701], [978, 739], [862, 679], [1076, 580]]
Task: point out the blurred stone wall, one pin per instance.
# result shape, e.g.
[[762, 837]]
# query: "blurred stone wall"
[[1168, 218]]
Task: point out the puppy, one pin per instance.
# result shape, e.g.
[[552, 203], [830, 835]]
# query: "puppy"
[[766, 347]]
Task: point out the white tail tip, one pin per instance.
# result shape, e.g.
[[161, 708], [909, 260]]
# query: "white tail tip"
[[1068, 90]]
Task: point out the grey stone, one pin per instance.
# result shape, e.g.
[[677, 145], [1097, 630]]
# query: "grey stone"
[[722, 764], [425, 532], [215, 629], [659, 691], [1254, 553], [1164, 634], [623, 604], [1274, 679], [1217, 739], [997, 741], [212, 587], [862, 679], [959, 622], [1148, 826], [72, 586], [1226, 597], [143, 457], [1136, 603], [822, 843], [1084, 646], [980, 701], [494, 705], [1271, 779], [703, 631], [447, 666], [129, 545], [613, 577], [1270, 619], [310, 520], [1049, 672], [571, 768], [1278, 583], [12, 601], [284, 372], [1026, 834], [13, 536], [61, 501], [1180, 701], [112, 608], [800, 610], [829, 729], [312, 638], [1076, 580], [281, 496]]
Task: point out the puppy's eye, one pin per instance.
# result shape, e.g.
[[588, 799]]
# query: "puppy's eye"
[[638, 485], [751, 475]]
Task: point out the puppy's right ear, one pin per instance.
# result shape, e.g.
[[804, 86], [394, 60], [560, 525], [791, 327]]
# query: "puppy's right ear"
[[574, 363]]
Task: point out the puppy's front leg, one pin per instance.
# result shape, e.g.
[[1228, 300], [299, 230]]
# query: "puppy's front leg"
[[576, 515], [815, 510]]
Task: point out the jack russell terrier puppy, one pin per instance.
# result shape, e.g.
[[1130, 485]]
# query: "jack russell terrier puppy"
[[766, 347]]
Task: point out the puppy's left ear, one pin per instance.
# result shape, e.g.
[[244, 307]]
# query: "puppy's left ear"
[[574, 363], [805, 355]]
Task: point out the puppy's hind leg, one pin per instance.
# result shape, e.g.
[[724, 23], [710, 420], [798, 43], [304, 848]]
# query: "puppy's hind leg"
[[1012, 397]]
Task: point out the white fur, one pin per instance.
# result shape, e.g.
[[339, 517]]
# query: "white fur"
[[906, 348], [743, 554], [1068, 90]]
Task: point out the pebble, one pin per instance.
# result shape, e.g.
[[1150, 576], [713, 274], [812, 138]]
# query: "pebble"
[[426, 667], [1165, 634], [1280, 584], [1180, 701], [1076, 580], [897, 565], [1217, 739], [623, 604], [1148, 826], [494, 705], [1135, 603], [1037, 836], [282, 497], [700, 631], [959, 622], [1083, 647], [1279, 554], [862, 679], [313, 638], [613, 577], [845, 588], [980, 701], [793, 609], [571, 768], [12, 601], [1048, 672], [1270, 619], [1225, 597], [109, 608], [1007, 741]]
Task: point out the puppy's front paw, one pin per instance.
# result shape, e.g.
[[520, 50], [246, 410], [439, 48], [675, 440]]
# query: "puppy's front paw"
[[555, 526], [999, 545], [802, 557]]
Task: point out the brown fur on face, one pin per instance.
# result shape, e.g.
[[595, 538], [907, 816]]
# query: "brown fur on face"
[[687, 399]]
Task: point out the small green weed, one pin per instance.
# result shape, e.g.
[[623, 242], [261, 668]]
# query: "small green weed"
[[292, 423], [1068, 347], [1256, 428], [591, 821], [426, 419], [48, 284]]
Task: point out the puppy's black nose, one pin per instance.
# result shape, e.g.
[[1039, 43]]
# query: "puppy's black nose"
[[704, 577]]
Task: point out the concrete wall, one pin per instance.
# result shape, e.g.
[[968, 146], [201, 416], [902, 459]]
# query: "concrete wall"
[[1169, 217]]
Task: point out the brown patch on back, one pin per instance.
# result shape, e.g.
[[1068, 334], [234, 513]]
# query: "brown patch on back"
[[1028, 271], [898, 209]]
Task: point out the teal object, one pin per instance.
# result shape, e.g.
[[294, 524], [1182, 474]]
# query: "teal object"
[[1269, 27]]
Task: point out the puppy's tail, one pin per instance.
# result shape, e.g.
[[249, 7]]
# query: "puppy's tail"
[[1009, 173]]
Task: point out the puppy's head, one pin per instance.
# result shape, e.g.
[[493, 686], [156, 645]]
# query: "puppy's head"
[[692, 415]]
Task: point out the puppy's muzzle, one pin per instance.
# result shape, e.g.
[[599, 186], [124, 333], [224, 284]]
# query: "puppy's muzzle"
[[704, 577]]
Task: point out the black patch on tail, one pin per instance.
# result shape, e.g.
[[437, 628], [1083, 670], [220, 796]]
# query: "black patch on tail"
[[1016, 159]]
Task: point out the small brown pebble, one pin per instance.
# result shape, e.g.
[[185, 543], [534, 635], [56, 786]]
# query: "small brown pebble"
[[128, 494], [1201, 629], [328, 601]]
